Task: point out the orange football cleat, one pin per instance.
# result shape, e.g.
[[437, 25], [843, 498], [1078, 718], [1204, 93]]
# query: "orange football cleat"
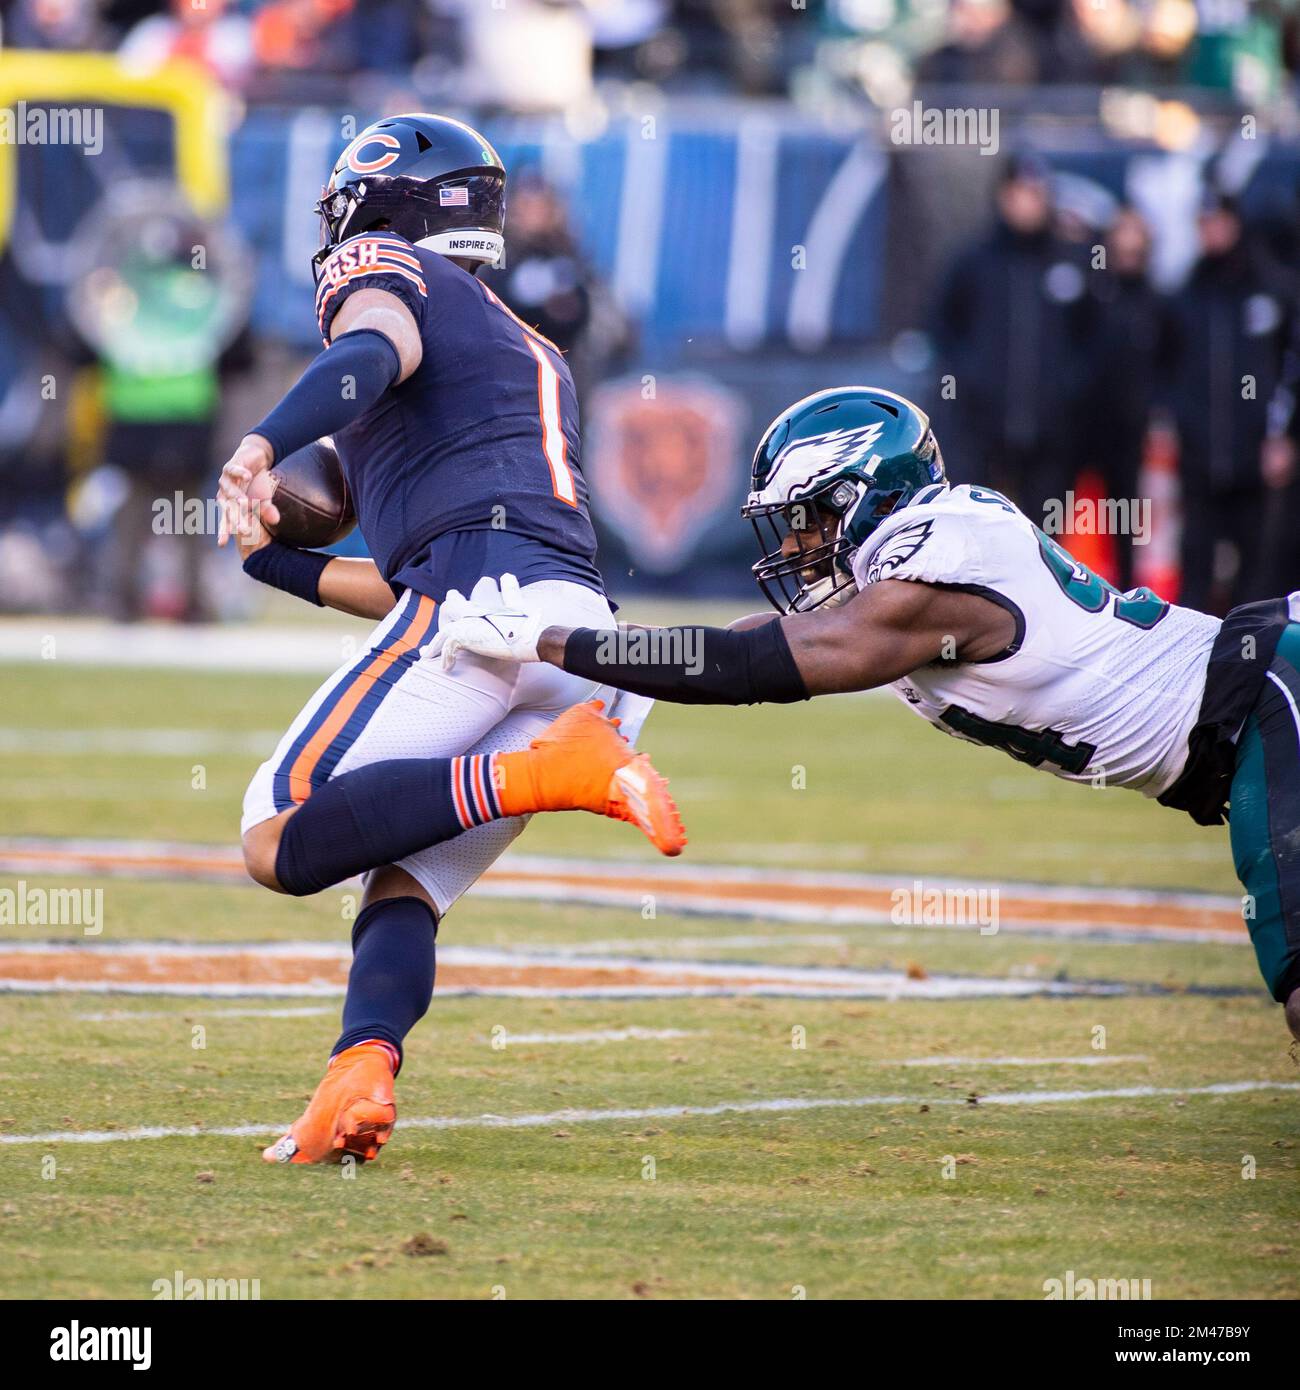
[[352, 1111], [583, 763]]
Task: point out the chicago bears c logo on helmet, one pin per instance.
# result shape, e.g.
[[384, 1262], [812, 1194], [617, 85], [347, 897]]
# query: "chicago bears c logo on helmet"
[[352, 155]]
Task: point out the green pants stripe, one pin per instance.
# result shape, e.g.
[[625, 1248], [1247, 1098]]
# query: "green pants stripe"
[[1265, 819]]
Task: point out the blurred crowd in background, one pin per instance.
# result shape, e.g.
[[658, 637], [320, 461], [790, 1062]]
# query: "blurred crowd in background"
[[1108, 308], [277, 49], [1070, 365]]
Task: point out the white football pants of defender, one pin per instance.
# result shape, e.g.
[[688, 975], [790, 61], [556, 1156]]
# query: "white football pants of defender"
[[392, 702]]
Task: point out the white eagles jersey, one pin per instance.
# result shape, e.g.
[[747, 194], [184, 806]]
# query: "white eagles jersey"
[[1096, 686]]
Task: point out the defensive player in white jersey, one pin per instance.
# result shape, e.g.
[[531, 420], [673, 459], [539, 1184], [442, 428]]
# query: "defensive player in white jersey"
[[883, 574]]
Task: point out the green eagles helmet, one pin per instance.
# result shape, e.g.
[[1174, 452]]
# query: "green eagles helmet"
[[835, 463]]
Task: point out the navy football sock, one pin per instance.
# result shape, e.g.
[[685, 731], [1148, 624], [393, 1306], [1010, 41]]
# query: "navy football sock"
[[380, 814], [391, 980]]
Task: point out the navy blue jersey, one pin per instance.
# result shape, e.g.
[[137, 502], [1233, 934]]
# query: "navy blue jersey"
[[481, 437]]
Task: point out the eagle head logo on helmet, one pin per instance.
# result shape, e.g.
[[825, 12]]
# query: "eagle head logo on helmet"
[[435, 181], [826, 473]]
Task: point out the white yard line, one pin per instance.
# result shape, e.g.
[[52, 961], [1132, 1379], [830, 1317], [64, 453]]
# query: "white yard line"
[[83, 642], [598, 1035], [707, 978], [1091, 1060], [657, 944], [320, 990], [593, 1035], [121, 1015], [490, 956], [500, 883], [886, 988], [155, 950], [783, 1105], [602, 1035], [152, 743]]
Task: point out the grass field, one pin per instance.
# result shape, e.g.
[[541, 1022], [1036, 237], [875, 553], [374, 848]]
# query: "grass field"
[[913, 1146]]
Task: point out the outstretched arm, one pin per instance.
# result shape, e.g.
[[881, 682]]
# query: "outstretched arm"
[[889, 629]]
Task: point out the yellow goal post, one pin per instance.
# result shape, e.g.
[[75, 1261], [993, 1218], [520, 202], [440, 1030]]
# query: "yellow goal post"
[[198, 106]]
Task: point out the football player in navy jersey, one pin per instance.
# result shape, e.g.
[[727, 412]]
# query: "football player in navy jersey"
[[457, 428]]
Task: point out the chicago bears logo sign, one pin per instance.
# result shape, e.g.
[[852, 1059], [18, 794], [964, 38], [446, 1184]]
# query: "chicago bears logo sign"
[[664, 468]]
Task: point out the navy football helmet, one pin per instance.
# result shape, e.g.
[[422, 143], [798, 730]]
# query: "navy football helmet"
[[432, 180]]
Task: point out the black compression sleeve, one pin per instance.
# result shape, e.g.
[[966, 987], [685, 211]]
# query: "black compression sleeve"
[[690, 665]]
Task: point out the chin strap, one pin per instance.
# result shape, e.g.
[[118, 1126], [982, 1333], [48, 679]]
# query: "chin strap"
[[826, 593]]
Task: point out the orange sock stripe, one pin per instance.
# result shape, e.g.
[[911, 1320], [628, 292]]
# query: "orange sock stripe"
[[458, 793]]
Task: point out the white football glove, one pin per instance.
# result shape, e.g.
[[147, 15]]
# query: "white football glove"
[[501, 623]]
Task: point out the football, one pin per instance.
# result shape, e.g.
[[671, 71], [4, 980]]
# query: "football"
[[311, 493]]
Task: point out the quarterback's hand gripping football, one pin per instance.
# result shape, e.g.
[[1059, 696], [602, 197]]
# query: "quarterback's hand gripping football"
[[502, 623], [239, 512]]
